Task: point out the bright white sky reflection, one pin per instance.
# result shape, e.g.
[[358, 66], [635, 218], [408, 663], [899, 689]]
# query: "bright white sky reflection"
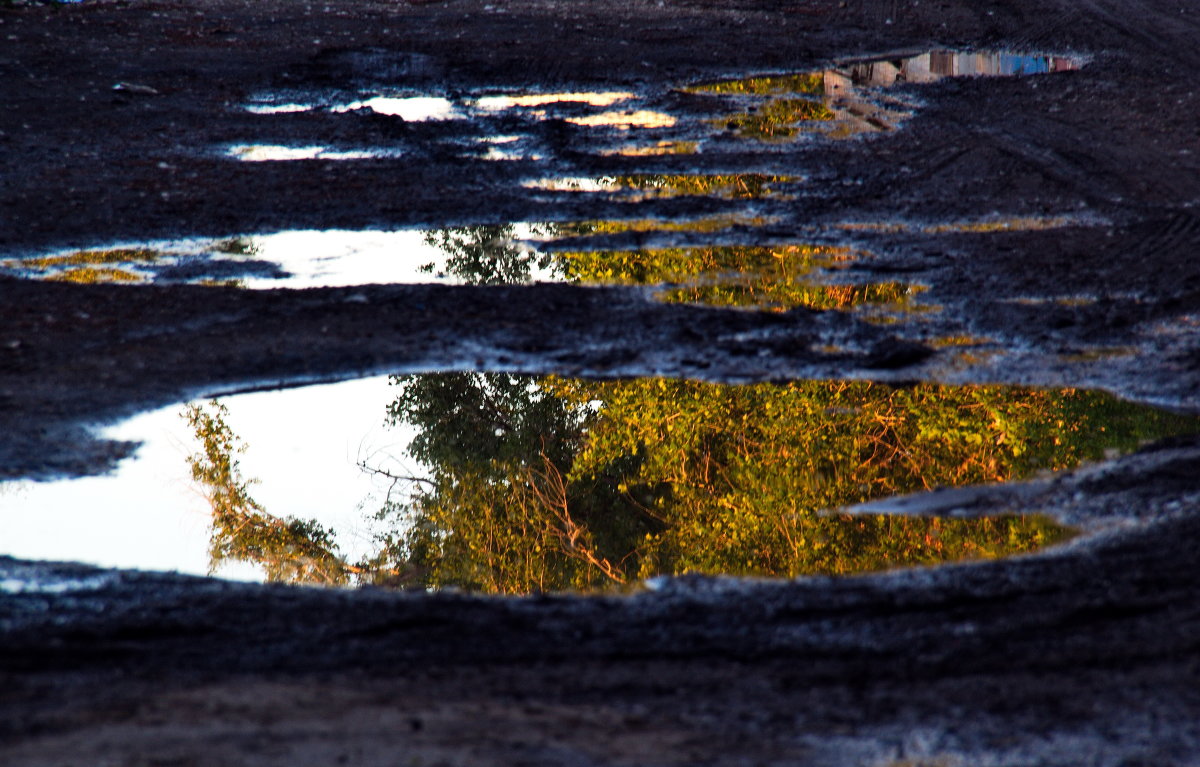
[[336, 258], [310, 258], [412, 109], [303, 444], [280, 153], [339, 258]]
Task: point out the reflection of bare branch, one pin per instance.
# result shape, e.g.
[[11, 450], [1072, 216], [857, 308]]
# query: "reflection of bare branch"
[[394, 477], [550, 491]]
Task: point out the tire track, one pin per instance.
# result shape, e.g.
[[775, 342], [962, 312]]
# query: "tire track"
[[1157, 31]]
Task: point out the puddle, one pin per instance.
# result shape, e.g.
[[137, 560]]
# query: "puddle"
[[853, 98], [760, 277], [776, 277], [150, 514], [649, 186], [278, 109], [499, 103], [278, 153], [657, 149], [411, 109], [513, 484], [641, 118], [585, 107], [503, 148], [304, 259]]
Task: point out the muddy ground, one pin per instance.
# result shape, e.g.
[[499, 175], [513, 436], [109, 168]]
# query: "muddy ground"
[[1085, 655]]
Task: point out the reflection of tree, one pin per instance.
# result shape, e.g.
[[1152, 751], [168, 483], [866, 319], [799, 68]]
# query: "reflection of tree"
[[750, 469], [773, 116], [289, 549], [500, 513], [486, 255], [778, 277], [768, 85], [549, 484], [730, 186], [91, 266], [610, 482]]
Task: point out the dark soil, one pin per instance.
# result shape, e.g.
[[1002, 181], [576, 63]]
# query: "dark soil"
[[1088, 655]]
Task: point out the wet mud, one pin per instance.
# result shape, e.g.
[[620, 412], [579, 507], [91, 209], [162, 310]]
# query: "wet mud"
[[727, 192]]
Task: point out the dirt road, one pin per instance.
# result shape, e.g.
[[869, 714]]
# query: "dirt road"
[[1053, 215]]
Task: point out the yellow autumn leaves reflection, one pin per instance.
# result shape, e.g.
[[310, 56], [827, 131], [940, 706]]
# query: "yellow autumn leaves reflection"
[[764, 277], [552, 484]]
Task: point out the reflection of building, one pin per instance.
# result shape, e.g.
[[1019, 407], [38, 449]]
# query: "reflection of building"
[[853, 110], [858, 112], [929, 67]]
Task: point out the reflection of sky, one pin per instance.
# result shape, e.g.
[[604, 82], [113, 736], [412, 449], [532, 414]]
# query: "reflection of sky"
[[281, 153], [338, 258], [412, 109], [302, 443], [312, 258]]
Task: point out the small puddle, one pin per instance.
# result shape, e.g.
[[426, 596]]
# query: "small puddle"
[[854, 98], [771, 278], [305, 259], [281, 153], [516, 484], [760, 277], [411, 109], [653, 186]]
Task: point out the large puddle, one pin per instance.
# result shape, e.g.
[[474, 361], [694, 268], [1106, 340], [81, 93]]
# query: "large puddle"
[[515, 484]]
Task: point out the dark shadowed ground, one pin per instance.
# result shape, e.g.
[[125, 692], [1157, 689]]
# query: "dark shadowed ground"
[[1084, 655]]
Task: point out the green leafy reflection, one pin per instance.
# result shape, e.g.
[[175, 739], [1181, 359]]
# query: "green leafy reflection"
[[485, 255], [538, 484]]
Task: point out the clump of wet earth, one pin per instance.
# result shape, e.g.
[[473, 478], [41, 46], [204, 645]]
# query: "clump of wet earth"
[[946, 192]]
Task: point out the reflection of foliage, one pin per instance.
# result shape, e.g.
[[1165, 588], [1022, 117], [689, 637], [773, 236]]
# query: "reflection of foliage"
[[777, 118], [763, 277], [611, 482], [749, 468], [769, 85], [290, 550], [93, 257], [86, 275], [236, 246], [499, 514], [762, 292], [696, 225], [486, 255], [773, 117], [655, 150], [638, 267], [733, 186], [121, 265], [90, 266], [548, 484]]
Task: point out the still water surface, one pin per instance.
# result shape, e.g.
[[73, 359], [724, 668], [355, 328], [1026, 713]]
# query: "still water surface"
[[512, 484]]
